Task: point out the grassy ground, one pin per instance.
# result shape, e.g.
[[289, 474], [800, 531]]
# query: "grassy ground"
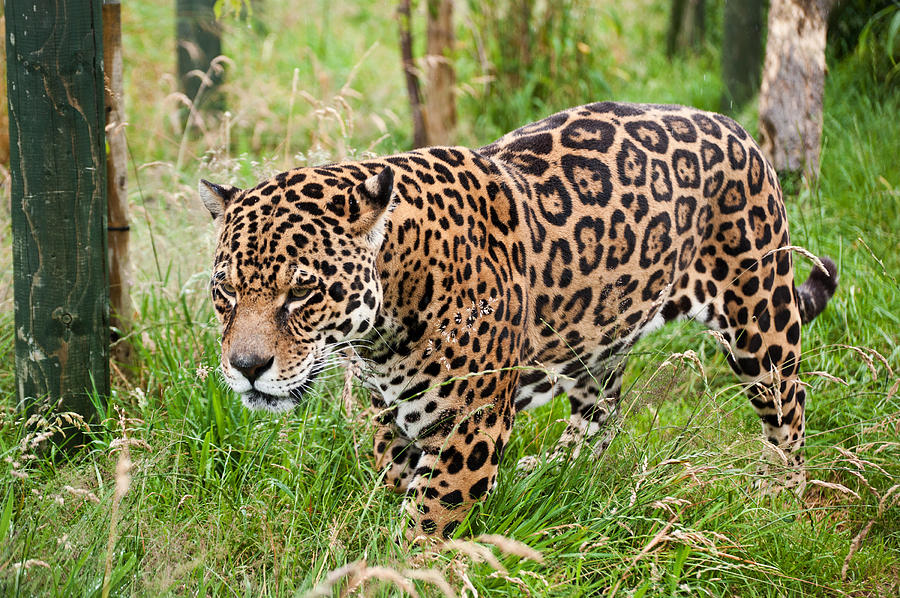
[[196, 496]]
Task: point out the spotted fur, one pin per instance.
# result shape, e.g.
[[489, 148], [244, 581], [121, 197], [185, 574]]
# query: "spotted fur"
[[474, 283]]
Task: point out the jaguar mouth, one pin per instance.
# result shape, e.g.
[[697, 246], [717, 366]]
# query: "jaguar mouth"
[[260, 401]]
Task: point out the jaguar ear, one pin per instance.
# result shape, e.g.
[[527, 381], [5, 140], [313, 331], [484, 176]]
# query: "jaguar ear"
[[216, 197], [379, 188], [377, 201]]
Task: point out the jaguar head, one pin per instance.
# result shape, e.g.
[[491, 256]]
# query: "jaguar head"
[[294, 278]]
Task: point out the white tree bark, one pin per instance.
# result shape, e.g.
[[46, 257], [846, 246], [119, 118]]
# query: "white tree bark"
[[793, 84]]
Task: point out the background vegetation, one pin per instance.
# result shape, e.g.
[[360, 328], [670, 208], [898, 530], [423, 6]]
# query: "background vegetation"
[[183, 492]]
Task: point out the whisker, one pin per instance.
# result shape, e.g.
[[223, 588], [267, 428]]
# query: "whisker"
[[351, 341]]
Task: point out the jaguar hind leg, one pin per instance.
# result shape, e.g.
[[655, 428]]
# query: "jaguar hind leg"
[[764, 333], [594, 401]]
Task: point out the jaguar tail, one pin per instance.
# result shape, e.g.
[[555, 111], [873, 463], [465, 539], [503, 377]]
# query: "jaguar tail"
[[813, 295]]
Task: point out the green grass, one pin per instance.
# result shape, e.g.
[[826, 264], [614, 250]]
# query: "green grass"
[[225, 502]]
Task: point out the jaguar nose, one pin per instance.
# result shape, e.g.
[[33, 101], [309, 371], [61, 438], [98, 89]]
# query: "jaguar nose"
[[251, 365]]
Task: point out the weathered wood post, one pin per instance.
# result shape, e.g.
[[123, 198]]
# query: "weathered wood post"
[[58, 187], [116, 183]]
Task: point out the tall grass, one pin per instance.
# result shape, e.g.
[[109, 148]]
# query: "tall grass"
[[221, 501], [870, 32]]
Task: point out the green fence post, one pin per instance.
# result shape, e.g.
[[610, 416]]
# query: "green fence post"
[[58, 183]]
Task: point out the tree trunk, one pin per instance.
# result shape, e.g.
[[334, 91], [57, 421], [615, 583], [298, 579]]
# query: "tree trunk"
[[697, 24], [198, 42], [404, 16], [793, 85], [687, 26], [440, 90], [58, 189], [742, 51], [116, 183]]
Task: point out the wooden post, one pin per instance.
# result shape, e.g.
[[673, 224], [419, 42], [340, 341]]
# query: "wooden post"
[[4, 112], [198, 42], [116, 183], [58, 188]]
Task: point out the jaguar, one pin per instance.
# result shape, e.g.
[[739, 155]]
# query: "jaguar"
[[470, 284]]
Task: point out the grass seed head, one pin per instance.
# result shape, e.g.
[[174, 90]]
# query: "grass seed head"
[[513, 547]]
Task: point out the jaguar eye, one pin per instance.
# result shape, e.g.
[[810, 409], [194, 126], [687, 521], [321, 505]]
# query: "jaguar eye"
[[297, 293], [228, 289]]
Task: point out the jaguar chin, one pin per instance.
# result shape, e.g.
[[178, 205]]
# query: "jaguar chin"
[[259, 401]]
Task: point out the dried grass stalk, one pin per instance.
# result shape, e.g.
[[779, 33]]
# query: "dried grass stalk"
[[29, 564], [857, 541], [835, 486], [351, 570], [854, 546], [867, 359], [432, 576], [660, 536], [802, 251], [827, 376], [123, 483], [513, 547], [476, 552]]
